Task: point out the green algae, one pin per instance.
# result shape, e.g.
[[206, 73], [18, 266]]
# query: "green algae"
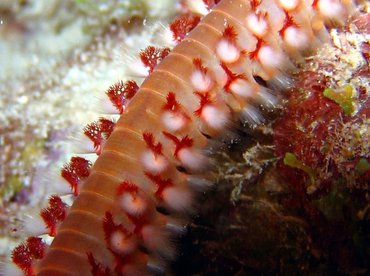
[[362, 166], [292, 161], [13, 186], [15, 182], [342, 96]]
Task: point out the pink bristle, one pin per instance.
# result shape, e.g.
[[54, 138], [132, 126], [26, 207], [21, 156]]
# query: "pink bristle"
[[231, 77], [153, 159], [36, 247], [227, 49], [106, 127], [199, 65], [127, 186], [98, 132], [189, 157], [118, 238], [288, 22], [230, 34], [54, 214], [156, 148], [97, 269], [151, 56], [172, 104], [210, 3], [257, 23], [204, 99], [121, 93], [21, 257], [182, 25], [173, 116], [180, 144], [254, 54], [93, 132], [160, 183], [132, 200], [200, 77], [24, 254], [76, 170]]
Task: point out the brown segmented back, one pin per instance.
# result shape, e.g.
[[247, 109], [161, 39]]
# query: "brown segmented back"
[[82, 230]]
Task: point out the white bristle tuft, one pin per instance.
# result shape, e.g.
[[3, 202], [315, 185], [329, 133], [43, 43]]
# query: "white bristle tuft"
[[167, 37], [269, 57], [60, 185], [214, 117], [247, 41], [266, 98], [332, 9], [10, 269], [121, 243], [191, 158], [156, 240], [47, 239], [137, 69], [107, 107], [34, 225], [219, 74], [179, 199], [134, 205], [289, 4], [155, 267], [173, 121], [280, 82], [251, 115], [227, 52], [296, 38], [257, 25], [154, 163], [176, 226], [83, 144], [243, 88], [68, 199], [199, 184], [200, 81], [197, 6]]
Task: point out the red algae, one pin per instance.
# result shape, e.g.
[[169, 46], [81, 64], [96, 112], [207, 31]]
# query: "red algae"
[[323, 131]]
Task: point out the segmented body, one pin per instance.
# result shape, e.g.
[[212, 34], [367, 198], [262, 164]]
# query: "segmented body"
[[113, 226]]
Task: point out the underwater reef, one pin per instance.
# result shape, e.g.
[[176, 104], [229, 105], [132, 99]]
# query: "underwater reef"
[[291, 194]]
